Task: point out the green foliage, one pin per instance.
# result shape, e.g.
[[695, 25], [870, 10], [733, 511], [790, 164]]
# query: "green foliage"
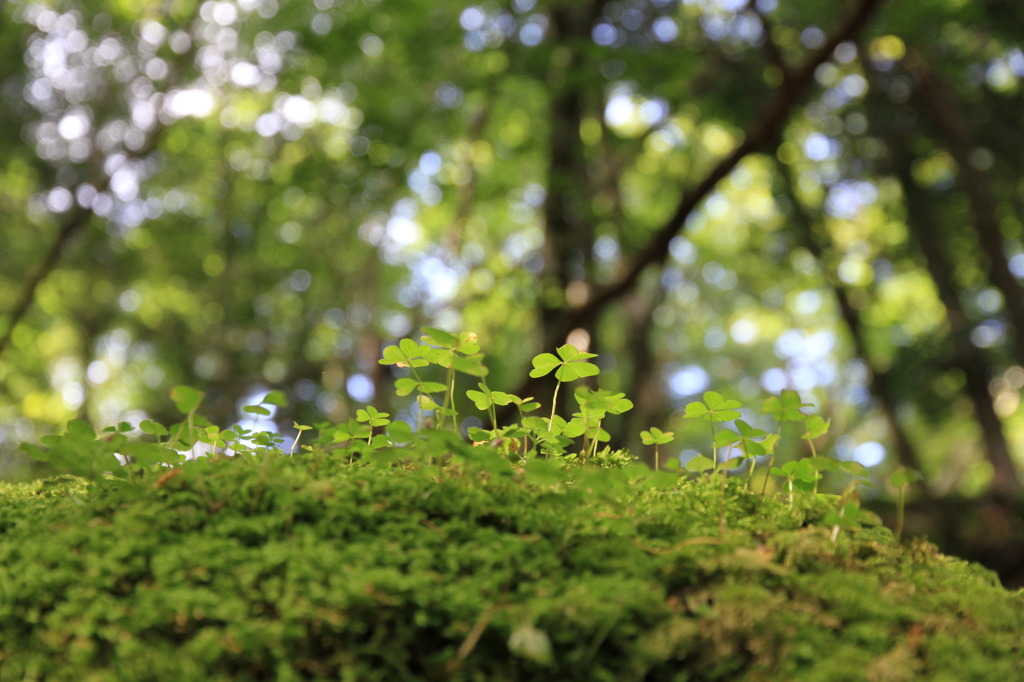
[[901, 478], [577, 440], [519, 557], [570, 364], [392, 567], [656, 437], [270, 236]]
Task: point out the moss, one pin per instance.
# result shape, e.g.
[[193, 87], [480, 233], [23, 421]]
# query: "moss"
[[235, 569]]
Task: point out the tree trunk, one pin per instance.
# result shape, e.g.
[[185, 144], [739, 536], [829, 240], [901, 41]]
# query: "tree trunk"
[[968, 358]]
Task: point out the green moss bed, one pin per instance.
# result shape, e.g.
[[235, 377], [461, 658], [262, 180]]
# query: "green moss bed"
[[301, 569]]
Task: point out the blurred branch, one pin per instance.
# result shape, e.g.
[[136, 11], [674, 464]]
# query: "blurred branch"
[[762, 131], [773, 51], [76, 220], [939, 103], [810, 233], [79, 216], [968, 358], [74, 223]]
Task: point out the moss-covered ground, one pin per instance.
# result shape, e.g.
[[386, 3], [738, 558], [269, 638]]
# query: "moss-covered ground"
[[293, 569]]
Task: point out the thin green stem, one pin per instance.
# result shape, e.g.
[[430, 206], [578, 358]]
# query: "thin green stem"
[[450, 398], [597, 440], [771, 463], [900, 512], [814, 453], [714, 446], [554, 403]]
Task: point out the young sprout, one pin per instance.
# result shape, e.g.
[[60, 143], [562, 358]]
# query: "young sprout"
[[456, 352], [797, 471], [714, 409], [815, 427], [187, 400], [373, 417], [594, 407], [902, 477], [570, 364], [299, 428], [656, 437], [409, 354], [784, 407], [486, 399]]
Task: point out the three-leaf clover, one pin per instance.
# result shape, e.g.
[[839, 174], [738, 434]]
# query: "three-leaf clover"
[[570, 364], [656, 437], [486, 399], [715, 409], [372, 417]]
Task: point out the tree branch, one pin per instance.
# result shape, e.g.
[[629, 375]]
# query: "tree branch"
[[765, 129], [939, 104], [75, 222]]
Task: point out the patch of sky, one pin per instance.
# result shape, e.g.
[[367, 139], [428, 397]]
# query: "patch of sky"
[[989, 300], [620, 109], [743, 331], [534, 195], [360, 388], [847, 198], [687, 381], [605, 34], [606, 249], [720, 276], [989, 333], [685, 253], [520, 245], [795, 343], [665, 29], [819, 147], [869, 453], [430, 163], [532, 32], [774, 380]]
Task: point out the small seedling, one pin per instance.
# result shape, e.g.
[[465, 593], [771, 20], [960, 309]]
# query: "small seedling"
[[570, 364], [656, 437], [752, 448], [815, 427], [299, 428], [715, 409], [798, 472], [566, 444], [594, 407], [785, 407], [902, 477], [372, 417], [187, 400]]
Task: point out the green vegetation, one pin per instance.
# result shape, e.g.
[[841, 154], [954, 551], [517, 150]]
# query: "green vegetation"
[[392, 567], [378, 553], [250, 195]]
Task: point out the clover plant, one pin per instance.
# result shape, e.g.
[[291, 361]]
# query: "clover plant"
[[901, 478], [429, 370], [656, 437]]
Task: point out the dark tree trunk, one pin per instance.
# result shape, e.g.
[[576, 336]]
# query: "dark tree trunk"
[[928, 235], [941, 106], [814, 241]]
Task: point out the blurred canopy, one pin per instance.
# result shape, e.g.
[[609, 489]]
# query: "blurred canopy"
[[747, 196]]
